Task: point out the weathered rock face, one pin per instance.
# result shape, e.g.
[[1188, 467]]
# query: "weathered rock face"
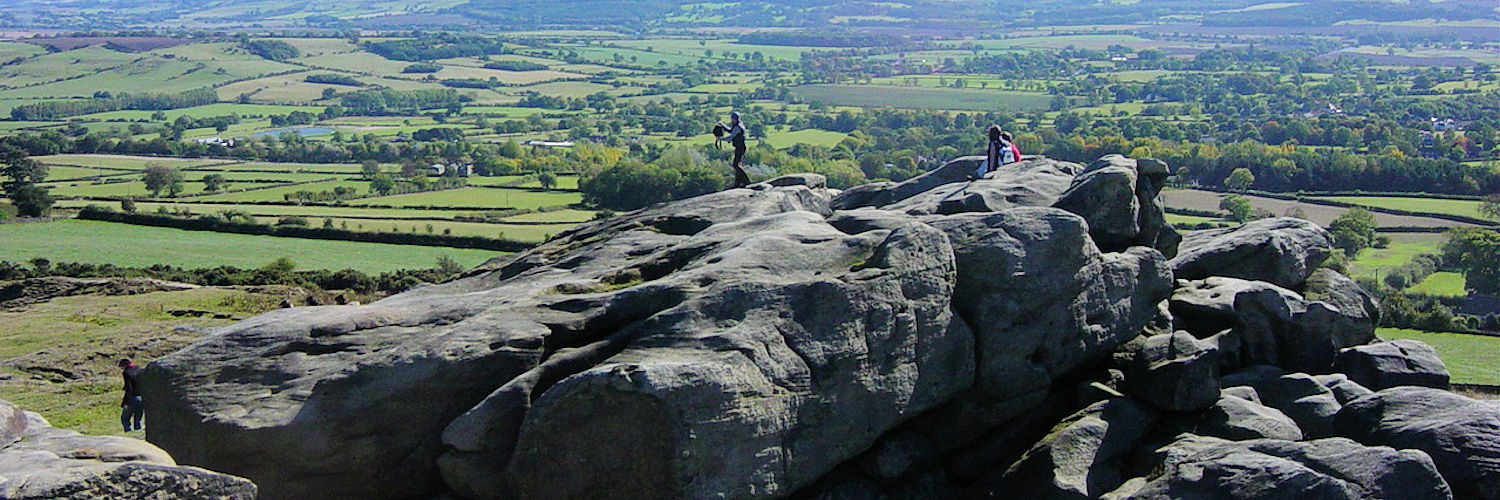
[[843, 341], [1035, 183], [376, 385], [1175, 372], [1390, 364], [1298, 395], [38, 461], [1121, 200], [1198, 467], [1043, 300], [1460, 434], [920, 339], [1051, 178], [1269, 324], [1082, 457], [1283, 252], [1238, 418]]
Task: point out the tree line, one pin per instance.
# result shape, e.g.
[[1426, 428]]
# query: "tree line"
[[52, 110]]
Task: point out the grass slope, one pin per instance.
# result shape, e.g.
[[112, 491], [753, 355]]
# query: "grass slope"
[[85, 334], [1472, 359], [127, 245]]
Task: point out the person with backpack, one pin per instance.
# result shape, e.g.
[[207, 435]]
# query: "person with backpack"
[[1001, 150], [735, 133], [132, 407], [1011, 152]]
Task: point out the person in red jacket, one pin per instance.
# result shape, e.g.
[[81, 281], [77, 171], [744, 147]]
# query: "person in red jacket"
[[1012, 151], [1002, 150], [132, 407]]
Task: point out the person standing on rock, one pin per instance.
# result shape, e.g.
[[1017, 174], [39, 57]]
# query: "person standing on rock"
[[132, 407], [736, 136]]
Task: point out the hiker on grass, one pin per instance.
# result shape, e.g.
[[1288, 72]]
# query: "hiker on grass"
[[735, 134], [132, 408]]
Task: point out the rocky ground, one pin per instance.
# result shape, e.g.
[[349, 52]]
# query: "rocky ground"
[[40, 462], [1042, 332]]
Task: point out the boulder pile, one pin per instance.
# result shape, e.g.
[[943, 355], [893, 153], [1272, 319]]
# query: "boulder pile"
[[1042, 330]]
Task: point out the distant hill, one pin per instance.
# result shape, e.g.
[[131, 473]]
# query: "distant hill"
[[649, 14]]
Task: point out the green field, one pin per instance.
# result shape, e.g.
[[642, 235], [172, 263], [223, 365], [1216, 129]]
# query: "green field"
[[915, 97], [1448, 284], [526, 233], [279, 193], [127, 245], [814, 137], [1188, 220], [220, 109], [124, 162], [85, 334], [1373, 261], [1467, 208], [1472, 359], [477, 197]]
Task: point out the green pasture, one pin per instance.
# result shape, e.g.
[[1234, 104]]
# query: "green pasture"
[[1188, 220], [58, 173], [310, 211], [1472, 359], [134, 188], [20, 125], [936, 98], [1373, 262], [87, 333], [507, 111], [1447, 284], [528, 233], [606, 55], [12, 50], [218, 109], [120, 162], [1467, 208], [321, 168], [363, 63], [278, 193], [478, 197], [568, 89], [556, 216], [722, 48], [564, 182], [59, 65], [139, 246], [812, 136], [320, 46]]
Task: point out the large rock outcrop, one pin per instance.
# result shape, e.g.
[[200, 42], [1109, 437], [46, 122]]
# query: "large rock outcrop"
[[1268, 324], [1121, 200], [1268, 469], [38, 461], [937, 337], [1283, 252], [1460, 434], [1390, 364]]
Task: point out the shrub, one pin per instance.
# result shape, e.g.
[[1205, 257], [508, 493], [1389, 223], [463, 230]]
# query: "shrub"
[[291, 220], [422, 68]]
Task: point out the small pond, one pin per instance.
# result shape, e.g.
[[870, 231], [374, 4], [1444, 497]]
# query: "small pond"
[[302, 131]]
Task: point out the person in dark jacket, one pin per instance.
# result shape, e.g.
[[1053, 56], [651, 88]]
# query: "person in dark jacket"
[[132, 407], [1002, 150], [736, 137]]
